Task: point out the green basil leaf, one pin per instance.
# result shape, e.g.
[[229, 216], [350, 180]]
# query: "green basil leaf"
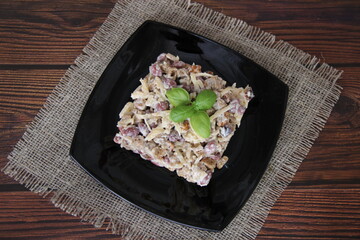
[[205, 100], [178, 96], [200, 123], [180, 113]]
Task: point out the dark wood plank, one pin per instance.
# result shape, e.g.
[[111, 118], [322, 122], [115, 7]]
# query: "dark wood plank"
[[41, 32], [334, 159], [326, 29], [314, 214], [22, 93], [27, 215], [48, 32]]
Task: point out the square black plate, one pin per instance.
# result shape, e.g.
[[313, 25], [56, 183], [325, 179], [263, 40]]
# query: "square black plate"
[[156, 189]]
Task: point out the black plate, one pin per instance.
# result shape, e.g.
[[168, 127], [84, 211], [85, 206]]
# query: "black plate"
[[156, 189]]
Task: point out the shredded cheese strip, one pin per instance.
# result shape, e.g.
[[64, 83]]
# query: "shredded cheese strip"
[[126, 121], [179, 155], [127, 108], [155, 132], [203, 75], [197, 83], [226, 90], [161, 87], [144, 86], [147, 124], [152, 115], [220, 112]]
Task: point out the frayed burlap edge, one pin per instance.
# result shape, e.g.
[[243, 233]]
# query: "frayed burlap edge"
[[277, 176]]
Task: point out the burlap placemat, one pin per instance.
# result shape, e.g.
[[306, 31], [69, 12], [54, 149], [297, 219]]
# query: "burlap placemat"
[[41, 162]]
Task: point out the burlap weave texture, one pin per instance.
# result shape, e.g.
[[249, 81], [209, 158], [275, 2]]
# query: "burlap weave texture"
[[41, 161]]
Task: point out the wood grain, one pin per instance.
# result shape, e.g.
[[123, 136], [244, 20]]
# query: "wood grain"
[[39, 40], [325, 214], [22, 93], [26, 215], [44, 32]]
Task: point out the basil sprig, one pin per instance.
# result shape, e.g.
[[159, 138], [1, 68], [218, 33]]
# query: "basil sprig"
[[196, 111], [205, 100], [178, 96], [200, 122], [181, 113]]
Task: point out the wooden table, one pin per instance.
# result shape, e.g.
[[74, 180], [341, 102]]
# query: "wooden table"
[[39, 39]]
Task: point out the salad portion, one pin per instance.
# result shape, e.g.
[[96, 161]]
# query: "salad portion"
[[182, 118]]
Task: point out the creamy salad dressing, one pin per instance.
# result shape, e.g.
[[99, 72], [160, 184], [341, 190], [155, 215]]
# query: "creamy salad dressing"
[[146, 129]]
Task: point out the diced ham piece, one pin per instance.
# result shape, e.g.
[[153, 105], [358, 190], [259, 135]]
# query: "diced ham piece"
[[200, 78], [167, 159], [153, 125], [140, 104], [226, 98], [149, 110], [143, 129], [188, 87], [161, 57], [216, 156], [117, 139], [174, 136], [236, 107], [168, 83], [161, 106], [205, 181], [130, 131], [225, 131], [210, 148], [155, 70], [178, 64], [249, 94], [241, 110]]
